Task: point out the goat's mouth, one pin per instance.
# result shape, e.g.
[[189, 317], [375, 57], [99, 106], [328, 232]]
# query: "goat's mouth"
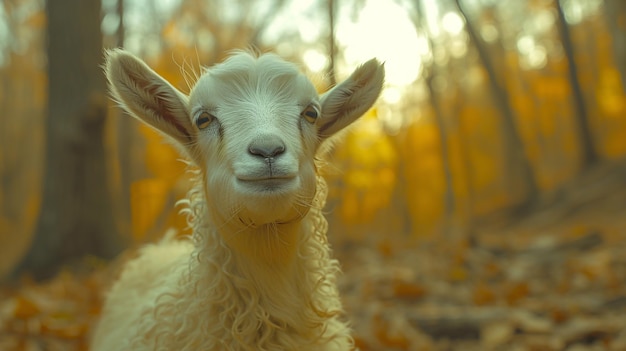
[[268, 184]]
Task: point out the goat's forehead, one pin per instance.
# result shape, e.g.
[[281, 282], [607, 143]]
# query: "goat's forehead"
[[244, 77]]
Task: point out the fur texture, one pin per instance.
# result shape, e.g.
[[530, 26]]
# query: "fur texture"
[[256, 274]]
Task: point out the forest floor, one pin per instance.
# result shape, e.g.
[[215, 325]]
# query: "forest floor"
[[554, 280]]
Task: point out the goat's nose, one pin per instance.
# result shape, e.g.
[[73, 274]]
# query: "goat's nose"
[[267, 146]]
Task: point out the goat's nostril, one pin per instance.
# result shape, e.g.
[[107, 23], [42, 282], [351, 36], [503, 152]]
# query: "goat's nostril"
[[266, 151], [267, 146]]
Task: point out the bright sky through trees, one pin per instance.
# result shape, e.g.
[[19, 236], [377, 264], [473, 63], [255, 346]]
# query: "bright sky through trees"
[[383, 30]]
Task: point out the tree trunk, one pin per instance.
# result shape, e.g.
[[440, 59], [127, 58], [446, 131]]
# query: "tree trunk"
[[516, 160], [76, 215], [589, 154], [120, 34], [331, 43], [449, 203], [125, 131], [615, 13]]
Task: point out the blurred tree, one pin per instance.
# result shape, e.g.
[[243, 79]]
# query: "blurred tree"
[[588, 150], [126, 129], [430, 74], [517, 161], [332, 48], [121, 29], [22, 96], [615, 13], [76, 217]]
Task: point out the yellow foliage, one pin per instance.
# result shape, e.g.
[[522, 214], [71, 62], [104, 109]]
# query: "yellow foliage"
[[152, 198], [423, 170], [457, 273], [148, 198], [515, 292], [162, 159], [349, 208], [610, 93], [483, 294], [37, 20], [369, 161], [553, 87], [612, 107]]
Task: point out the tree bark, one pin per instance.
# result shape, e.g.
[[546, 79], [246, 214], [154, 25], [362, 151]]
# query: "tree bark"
[[331, 43], [515, 153], [126, 131], [589, 154], [449, 200], [76, 216], [120, 34], [449, 204], [615, 13]]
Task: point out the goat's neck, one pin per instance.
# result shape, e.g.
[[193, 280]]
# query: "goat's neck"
[[281, 273], [266, 245], [265, 262]]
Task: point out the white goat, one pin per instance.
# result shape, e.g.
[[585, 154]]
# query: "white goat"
[[256, 274]]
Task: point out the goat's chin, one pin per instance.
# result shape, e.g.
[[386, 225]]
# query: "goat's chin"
[[275, 206], [259, 213], [273, 200], [254, 202]]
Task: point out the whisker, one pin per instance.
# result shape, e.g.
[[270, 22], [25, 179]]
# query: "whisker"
[[199, 73]]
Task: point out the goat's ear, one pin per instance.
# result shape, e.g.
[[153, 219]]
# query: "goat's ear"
[[347, 101], [147, 96]]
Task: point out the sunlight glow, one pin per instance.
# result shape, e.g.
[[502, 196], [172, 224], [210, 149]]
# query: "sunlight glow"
[[489, 33], [543, 21], [309, 31], [538, 57], [532, 55], [315, 60], [525, 44], [4, 35], [382, 30], [577, 10], [458, 48], [574, 13], [431, 16], [110, 23], [392, 95], [452, 23]]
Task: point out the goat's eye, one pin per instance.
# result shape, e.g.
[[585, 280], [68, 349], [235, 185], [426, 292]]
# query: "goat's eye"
[[310, 113], [204, 120]]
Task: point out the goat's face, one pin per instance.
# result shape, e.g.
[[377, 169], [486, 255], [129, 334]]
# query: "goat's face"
[[252, 125], [256, 138]]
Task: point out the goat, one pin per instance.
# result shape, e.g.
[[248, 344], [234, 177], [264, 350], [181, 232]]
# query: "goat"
[[256, 273]]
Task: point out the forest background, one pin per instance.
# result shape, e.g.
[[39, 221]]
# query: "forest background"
[[501, 129]]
